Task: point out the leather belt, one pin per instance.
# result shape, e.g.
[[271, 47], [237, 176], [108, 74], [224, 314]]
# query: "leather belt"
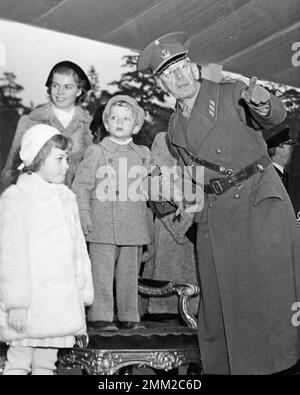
[[220, 185]]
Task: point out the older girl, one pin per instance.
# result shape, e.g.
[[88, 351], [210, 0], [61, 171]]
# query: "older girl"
[[45, 275], [67, 86]]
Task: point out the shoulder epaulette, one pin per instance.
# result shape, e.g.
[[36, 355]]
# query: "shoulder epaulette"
[[228, 80]]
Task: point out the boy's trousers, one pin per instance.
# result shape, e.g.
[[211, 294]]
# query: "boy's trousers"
[[110, 261]]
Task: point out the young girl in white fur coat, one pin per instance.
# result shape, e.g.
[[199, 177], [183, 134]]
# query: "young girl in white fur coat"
[[45, 274]]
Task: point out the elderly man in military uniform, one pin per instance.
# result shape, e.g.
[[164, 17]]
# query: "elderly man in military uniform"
[[247, 238]]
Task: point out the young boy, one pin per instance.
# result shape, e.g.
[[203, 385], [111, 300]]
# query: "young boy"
[[113, 219]]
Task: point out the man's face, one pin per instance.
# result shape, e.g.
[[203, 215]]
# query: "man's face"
[[180, 79], [285, 152]]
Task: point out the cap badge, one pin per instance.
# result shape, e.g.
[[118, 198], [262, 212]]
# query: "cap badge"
[[165, 53]]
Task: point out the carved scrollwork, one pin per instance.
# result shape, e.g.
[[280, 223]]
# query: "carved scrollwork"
[[104, 363], [166, 360], [94, 362], [165, 290], [185, 292]]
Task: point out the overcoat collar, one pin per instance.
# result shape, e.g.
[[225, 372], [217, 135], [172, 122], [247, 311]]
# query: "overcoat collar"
[[111, 146], [190, 133], [45, 114]]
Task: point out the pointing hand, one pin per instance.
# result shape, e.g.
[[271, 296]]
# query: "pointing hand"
[[255, 94]]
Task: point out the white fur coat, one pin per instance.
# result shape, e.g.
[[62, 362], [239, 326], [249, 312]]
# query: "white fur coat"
[[44, 264]]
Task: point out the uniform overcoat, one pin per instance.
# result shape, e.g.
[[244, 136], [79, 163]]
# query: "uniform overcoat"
[[248, 242]]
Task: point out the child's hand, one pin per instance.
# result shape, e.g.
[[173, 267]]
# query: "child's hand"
[[17, 319], [180, 208], [149, 253], [86, 222]]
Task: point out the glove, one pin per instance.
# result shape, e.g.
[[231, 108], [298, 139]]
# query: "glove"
[[149, 253], [17, 319], [255, 94], [86, 222]]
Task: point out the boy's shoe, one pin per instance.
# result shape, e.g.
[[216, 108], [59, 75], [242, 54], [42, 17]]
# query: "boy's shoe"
[[131, 325], [104, 325]]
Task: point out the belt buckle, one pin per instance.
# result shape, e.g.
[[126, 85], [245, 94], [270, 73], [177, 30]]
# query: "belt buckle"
[[217, 187]]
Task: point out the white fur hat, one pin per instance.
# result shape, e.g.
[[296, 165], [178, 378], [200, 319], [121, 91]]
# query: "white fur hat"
[[33, 140]]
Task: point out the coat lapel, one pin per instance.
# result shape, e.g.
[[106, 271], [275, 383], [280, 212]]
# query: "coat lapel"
[[203, 116], [45, 114], [190, 133], [76, 123]]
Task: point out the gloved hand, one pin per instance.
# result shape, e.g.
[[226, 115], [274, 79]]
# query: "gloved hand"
[[17, 319], [86, 222], [255, 94], [148, 253], [180, 207]]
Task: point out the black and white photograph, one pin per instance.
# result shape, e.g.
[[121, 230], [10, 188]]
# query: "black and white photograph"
[[150, 190]]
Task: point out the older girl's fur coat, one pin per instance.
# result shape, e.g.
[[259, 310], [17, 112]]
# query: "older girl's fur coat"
[[44, 264]]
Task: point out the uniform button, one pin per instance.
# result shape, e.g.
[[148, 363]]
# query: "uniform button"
[[237, 196], [210, 205], [110, 160], [117, 193], [218, 151]]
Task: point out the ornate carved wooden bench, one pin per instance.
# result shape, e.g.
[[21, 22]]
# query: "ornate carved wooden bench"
[[162, 345]]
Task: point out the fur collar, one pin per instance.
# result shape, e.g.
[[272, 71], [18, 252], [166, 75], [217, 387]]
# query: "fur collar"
[[36, 188]]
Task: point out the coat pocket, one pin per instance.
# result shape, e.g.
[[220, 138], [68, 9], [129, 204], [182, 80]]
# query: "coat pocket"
[[265, 191]]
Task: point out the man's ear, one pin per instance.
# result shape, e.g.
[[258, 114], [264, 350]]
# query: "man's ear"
[[160, 84], [195, 71]]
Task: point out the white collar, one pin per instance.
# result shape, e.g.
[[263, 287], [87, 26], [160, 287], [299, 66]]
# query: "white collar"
[[279, 167], [120, 142], [64, 117]]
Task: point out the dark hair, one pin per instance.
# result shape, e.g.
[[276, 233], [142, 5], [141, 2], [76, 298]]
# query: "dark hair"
[[97, 127], [58, 141], [80, 82]]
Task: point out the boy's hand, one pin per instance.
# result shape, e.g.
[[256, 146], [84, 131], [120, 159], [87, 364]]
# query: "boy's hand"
[[255, 94], [180, 207], [149, 253], [86, 222], [17, 319]]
